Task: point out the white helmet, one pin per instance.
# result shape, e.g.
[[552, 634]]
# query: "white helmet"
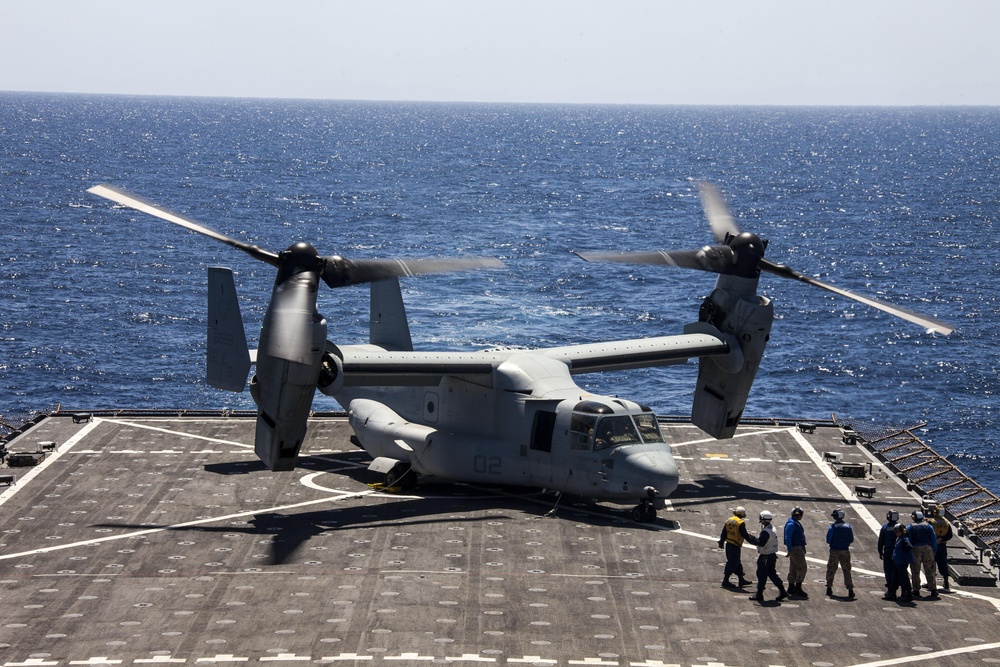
[[740, 512], [765, 517]]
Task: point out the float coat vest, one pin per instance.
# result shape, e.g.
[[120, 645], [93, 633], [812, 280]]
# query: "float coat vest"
[[771, 545], [733, 533], [941, 529]]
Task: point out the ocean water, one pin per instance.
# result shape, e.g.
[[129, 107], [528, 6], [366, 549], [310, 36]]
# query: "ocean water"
[[102, 307]]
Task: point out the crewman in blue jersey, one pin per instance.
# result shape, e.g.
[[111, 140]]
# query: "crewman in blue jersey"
[[795, 552], [886, 542], [839, 536], [734, 533], [900, 554], [924, 543]]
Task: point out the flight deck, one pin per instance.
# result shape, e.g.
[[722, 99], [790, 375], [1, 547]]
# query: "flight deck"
[[162, 540]]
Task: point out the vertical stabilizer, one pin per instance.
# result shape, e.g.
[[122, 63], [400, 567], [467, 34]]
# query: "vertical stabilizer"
[[388, 325], [228, 356]]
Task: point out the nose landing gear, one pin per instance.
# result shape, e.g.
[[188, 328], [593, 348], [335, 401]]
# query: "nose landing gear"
[[644, 512]]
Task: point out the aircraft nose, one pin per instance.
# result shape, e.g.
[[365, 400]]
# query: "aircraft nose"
[[653, 468]]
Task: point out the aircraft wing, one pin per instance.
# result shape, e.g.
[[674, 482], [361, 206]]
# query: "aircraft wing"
[[638, 353], [366, 365]]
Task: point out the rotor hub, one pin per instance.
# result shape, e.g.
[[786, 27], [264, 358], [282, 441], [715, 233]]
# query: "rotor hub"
[[298, 258], [748, 249]]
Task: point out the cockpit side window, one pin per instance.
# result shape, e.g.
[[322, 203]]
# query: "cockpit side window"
[[582, 431], [648, 428], [615, 431]]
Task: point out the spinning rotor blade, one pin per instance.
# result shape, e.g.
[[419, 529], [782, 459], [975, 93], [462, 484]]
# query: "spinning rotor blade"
[[908, 315], [743, 254], [716, 259], [340, 272], [125, 198], [719, 218]]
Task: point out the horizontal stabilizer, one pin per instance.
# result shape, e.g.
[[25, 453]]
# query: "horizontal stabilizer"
[[228, 356]]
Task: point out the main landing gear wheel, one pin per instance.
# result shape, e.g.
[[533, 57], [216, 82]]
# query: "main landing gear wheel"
[[644, 512], [401, 476]]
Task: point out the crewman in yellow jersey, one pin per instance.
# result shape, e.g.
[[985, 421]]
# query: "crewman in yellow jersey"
[[942, 529], [734, 533]]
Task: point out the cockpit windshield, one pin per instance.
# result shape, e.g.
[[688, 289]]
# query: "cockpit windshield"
[[610, 430], [614, 431], [648, 428]]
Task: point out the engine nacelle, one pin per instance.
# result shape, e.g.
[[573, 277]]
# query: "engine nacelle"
[[744, 321], [284, 393]]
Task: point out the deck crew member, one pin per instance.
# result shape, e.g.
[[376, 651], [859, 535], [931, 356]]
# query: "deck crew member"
[[900, 554], [943, 533], [886, 541], [767, 559], [734, 533], [839, 536], [795, 546], [924, 543]]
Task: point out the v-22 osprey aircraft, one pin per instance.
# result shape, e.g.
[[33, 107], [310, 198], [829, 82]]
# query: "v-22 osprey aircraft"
[[497, 416]]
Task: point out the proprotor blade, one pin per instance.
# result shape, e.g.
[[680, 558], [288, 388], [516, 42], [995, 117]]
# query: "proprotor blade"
[[126, 198], [339, 272], [908, 315], [719, 218], [716, 259]]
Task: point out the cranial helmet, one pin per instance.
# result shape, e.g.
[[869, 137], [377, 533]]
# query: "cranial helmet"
[[765, 517], [917, 516], [892, 515], [797, 513], [837, 514], [934, 511], [740, 512]]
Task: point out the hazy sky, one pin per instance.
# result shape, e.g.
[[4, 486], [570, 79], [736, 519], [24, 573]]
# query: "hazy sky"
[[884, 52]]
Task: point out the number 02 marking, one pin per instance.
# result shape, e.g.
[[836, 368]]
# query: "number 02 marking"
[[489, 465]]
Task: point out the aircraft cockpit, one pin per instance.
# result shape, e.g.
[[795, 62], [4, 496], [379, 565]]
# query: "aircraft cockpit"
[[595, 426]]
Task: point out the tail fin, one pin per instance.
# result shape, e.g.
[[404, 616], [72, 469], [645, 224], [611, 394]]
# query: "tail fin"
[[228, 356], [388, 325]]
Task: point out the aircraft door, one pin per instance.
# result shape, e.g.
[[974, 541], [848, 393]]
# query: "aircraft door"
[[540, 447]]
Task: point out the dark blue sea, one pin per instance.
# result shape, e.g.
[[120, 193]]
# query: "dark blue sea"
[[102, 307]]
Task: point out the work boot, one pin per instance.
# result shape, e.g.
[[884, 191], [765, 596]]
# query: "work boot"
[[829, 591], [726, 583], [782, 594], [850, 593], [758, 596], [744, 582], [945, 586], [801, 593]]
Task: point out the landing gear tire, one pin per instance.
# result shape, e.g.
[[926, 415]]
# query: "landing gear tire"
[[644, 512], [401, 476]]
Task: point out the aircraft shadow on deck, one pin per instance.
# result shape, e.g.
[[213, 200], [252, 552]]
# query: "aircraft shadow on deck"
[[712, 488]]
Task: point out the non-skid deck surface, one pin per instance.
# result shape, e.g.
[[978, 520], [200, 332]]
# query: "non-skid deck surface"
[[163, 541]]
